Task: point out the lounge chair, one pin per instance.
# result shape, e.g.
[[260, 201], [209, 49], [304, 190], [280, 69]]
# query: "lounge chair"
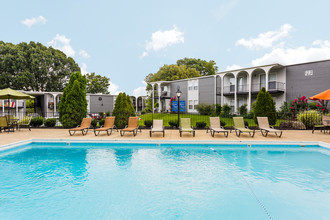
[[265, 128], [186, 126], [108, 126], [215, 126], [241, 128], [25, 122], [157, 126], [4, 124], [84, 127], [324, 125], [133, 126]]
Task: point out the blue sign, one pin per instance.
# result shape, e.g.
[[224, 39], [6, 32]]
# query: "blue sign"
[[175, 106]]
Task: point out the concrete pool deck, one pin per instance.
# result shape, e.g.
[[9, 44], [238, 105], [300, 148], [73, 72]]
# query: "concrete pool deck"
[[288, 135]]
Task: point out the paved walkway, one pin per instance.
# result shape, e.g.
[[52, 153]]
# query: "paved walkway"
[[288, 135]]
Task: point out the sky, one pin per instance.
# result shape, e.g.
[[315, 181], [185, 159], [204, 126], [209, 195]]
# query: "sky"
[[126, 40]]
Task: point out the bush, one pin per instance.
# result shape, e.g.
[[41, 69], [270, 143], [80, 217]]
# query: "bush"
[[94, 123], [101, 122], [205, 109], [37, 121], [148, 123], [222, 123], [243, 109], [308, 118], [265, 107], [200, 124], [101, 114], [108, 113], [217, 109], [73, 104], [143, 112], [173, 123], [226, 109], [312, 106], [123, 110], [50, 122]]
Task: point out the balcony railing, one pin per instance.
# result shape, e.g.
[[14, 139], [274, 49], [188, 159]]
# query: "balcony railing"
[[229, 89], [243, 88], [277, 86]]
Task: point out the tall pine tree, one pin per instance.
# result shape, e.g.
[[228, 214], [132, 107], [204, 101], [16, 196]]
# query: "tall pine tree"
[[265, 107], [73, 104], [123, 110]]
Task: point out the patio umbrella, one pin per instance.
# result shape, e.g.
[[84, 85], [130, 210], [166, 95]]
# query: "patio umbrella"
[[13, 94], [321, 96]]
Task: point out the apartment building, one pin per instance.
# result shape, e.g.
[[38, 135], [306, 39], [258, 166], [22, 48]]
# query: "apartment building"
[[241, 86]]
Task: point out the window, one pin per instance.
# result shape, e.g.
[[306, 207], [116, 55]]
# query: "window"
[[232, 84], [190, 104], [195, 87], [195, 104], [262, 81], [190, 87]]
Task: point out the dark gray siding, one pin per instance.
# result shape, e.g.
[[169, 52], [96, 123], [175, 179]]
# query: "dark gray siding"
[[104, 105], [184, 89], [206, 90], [297, 84]]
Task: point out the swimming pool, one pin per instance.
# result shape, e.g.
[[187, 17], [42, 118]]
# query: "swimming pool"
[[45, 180]]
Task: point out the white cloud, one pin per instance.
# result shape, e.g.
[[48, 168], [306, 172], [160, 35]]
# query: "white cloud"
[[140, 91], [220, 12], [265, 40], [233, 67], [61, 42], [319, 50], [32, 21], [162, 39], [84, 54], [83, 69], [113, 89]]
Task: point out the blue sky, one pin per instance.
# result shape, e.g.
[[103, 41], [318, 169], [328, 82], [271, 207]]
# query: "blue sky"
[[126, 40]]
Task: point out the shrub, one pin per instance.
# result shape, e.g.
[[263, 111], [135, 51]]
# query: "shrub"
[[312, 106], [205, 109], [101, 114], [50, 122], [123, 110], [173, 123], [73, 104], [143, 112], [222, 123], [299, 104], [226, 109], [243, 109], [265, 107], [200, 124], [217, 109], [101, 122], [94, 123], [308, 118], [37, 121], [148, 123], [108, 113]]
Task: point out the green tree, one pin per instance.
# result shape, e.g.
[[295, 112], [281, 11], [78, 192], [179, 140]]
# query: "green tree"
[[97, 84], [205, 68], [123, 110], [172, 72], [33, 66], [73, 104], [265, 107]]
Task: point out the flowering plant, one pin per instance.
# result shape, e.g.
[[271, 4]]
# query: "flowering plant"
[[322, 106], [298, 104]]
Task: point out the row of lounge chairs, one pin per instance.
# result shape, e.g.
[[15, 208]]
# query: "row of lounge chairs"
[[215, 127]]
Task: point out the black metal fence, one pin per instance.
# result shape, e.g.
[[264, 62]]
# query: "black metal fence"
[[283, 120]]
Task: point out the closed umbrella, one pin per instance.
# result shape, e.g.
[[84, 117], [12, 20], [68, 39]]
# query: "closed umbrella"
[[13, 94], [321, 96]]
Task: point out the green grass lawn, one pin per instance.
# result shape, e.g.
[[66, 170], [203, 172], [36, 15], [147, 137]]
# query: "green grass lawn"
[[193, 117]]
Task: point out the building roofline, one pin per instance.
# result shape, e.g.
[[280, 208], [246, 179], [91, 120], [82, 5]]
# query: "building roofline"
[[316, 61], [248, 68]]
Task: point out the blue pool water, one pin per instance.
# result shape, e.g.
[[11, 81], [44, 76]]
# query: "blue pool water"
[[124, 181]]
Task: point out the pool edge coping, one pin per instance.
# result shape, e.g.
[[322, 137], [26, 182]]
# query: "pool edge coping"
[[158, 142]]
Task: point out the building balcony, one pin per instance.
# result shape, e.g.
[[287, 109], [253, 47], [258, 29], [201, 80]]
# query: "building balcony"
[[229, 90], [273, 87], [218, 90], [243, 89]]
